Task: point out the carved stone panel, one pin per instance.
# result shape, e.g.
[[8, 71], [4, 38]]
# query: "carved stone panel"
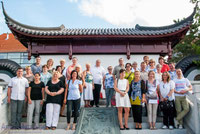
[[98, 121]]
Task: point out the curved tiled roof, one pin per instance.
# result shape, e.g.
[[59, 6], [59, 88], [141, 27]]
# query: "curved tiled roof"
[[187, 62], [62, 31]]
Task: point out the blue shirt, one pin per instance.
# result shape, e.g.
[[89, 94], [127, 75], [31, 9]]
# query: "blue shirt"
[[109, 81], [73, 90], [45, 77], [181, 84], [173, 74], [36, 69]]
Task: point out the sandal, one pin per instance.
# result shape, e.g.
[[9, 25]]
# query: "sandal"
[[53, 128], [68, 127], [74, 127], [151, 128], [47, 128]]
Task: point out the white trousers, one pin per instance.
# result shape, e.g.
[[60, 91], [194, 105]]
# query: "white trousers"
[[52, 114]]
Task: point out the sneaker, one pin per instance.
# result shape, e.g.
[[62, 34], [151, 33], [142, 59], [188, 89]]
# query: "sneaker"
[[164, 127], [180, 127], [176, 123], [171, 127]]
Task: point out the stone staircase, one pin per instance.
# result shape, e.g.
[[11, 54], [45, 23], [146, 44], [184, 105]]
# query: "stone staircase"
[[100, 121]]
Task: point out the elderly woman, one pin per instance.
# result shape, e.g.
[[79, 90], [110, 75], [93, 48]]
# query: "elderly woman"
[[72, 97], [151, 66], [152, 96], [137, 97], [158, 74], [54, 89], [30, 77], [62, 79], [166, 88], [88, 86], [121, 87], [135, 66]]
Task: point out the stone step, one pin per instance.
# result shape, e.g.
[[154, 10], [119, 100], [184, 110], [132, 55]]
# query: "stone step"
[[131, 131], [144, 119], [63, 125]]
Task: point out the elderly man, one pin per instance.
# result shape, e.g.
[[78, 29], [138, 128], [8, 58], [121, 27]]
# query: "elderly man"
[[73, 67], [36, 67], [98, 73], [16, 96]]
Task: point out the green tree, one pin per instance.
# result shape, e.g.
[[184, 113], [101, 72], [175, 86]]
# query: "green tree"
[[191, 42]]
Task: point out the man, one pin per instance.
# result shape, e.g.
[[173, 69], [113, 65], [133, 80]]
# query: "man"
[[98, 73], [72, 67], [146, 60], [172, 71], [165, 67], [36, 67], [143, 72], [64, 69], [117, 68], [182, 86], [16, 96]]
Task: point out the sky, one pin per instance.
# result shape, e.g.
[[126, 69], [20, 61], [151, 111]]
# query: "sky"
[[95, 13]]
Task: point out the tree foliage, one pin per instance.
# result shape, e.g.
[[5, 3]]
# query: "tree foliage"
[[190, 45]]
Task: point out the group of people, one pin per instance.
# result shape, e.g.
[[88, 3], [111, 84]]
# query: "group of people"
[[126, 86]]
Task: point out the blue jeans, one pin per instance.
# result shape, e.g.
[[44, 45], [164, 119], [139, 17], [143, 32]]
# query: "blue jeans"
[[16, 113], [109, 95]]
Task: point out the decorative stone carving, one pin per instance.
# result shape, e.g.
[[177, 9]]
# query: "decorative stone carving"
[[98, 121]]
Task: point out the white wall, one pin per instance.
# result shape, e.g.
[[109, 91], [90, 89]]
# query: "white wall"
[[106, 60]]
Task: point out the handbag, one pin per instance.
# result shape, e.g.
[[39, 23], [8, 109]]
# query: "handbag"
[[151, 96], [164, 105]]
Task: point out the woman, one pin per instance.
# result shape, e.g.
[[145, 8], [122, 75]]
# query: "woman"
[[121, 87], [152, 96], [72, 97], [108, 85], [129, 75], [135, 66], [152, 64], [62, 79], [88, 86], [35, 99], [30, 77], [45, 75], [137, 97], [166, 88], [50, 65], [54, 89], [158, 74]]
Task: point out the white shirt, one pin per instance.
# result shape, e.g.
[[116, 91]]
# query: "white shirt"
[[73, 89], [181, 84], [158, 77], [18, 87], [165, 88], [98, 73]]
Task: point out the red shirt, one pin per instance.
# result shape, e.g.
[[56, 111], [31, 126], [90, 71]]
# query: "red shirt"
[[165, 68]]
